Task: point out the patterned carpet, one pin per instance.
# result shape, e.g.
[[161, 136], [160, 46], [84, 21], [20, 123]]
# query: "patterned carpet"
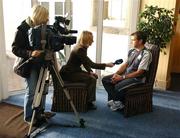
[[11, 121], [163, 122]]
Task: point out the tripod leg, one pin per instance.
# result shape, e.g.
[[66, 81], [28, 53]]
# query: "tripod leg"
[[40, 87], [31, 124], [38, 95], [81, 121]]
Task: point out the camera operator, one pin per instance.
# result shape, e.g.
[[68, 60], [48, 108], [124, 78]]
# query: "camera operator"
[[72, 70], [21, 48]]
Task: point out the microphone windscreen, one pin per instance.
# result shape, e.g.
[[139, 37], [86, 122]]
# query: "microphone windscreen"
[[119, 61]]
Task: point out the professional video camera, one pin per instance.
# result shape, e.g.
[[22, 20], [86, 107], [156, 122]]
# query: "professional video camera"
[[57, 35]]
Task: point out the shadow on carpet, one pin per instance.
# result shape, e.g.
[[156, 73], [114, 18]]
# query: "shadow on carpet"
[[12, 124]]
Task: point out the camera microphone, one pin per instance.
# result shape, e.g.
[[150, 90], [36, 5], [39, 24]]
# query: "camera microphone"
[[72, 31], [117, 62]]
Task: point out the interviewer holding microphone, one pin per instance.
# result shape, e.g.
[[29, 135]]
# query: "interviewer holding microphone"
[[72, 70]]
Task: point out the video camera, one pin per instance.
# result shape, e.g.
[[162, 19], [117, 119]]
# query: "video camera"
[[56, 35]]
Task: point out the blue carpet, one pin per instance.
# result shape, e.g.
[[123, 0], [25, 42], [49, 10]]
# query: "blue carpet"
[[163, 122]]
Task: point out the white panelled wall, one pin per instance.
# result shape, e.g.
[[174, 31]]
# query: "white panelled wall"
[[12, 13], [3, 65]]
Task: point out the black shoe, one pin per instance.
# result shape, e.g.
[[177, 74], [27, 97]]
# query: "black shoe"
[[48, 115], [40, 121], [91, 106]]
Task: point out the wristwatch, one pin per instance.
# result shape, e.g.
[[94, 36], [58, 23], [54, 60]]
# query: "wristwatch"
[[124, 76]]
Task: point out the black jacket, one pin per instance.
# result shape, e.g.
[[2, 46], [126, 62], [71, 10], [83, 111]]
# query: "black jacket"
[[20, 45], [77, 58]]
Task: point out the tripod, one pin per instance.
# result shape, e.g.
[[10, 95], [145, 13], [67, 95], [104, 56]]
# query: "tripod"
[[42, 88]]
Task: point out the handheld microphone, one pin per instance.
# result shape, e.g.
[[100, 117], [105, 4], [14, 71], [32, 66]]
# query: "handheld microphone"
[[72, 31], [117, 62]]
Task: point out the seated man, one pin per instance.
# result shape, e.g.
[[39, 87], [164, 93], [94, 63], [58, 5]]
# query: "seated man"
[[132, 72]]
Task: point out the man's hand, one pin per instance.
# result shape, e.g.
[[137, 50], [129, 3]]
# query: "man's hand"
[[115, 78]]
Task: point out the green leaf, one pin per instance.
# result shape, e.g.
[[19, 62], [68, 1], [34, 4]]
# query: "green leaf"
[[158, 24]]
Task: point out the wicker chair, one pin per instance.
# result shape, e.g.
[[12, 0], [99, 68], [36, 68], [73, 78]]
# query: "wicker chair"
[[77, 92], [138, 98]]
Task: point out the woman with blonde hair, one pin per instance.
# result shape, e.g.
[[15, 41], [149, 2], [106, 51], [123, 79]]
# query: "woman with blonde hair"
[[72, 70], [21, 48]]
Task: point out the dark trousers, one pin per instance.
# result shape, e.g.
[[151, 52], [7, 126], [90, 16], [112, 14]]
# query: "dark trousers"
[[83, 77], [117, 91]]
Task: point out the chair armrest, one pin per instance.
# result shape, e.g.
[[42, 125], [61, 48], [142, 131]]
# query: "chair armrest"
[[74, 84], [138, 89]]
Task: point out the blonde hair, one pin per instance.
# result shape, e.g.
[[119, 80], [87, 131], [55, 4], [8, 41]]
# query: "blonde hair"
[[39, 15], [85, 38]]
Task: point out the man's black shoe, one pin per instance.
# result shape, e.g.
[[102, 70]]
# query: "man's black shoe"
[[91, 106]]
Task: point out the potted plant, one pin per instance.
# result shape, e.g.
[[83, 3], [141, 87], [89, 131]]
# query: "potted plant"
[[158, 24]]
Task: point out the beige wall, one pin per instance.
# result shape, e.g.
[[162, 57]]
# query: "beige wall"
[[169, 4], [163, 76]]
